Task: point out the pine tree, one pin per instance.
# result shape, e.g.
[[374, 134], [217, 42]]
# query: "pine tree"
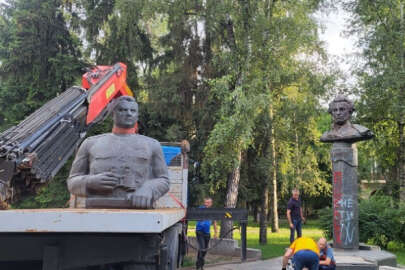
[[39, 57]]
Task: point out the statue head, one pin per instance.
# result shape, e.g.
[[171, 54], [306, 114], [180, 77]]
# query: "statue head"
[[125, 112], [341, 109]]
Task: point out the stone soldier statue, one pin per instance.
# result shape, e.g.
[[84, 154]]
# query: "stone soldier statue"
[[119, 169], [343, 135]]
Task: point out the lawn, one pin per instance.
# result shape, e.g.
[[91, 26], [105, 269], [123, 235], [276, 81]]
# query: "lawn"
[[277, 242]]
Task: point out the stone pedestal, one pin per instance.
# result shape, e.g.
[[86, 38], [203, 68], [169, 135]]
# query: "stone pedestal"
[[345, 196]]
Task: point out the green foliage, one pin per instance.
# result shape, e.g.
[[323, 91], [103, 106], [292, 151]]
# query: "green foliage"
[[52, 195], [116, 32], [395, 245], [380, 74], [233, 131], [39, 57], [380, 222], [326, 221], [210, 72]]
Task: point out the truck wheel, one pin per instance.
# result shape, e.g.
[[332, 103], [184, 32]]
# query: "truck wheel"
[[172, 242]]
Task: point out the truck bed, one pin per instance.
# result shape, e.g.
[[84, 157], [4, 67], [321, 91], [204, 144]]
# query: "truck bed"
[[89, 220]]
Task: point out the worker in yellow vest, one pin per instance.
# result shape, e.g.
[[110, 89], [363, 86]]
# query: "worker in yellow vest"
[[304, 252]]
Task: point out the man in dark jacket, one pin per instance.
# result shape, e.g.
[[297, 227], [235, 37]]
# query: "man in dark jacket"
[[294, 215]]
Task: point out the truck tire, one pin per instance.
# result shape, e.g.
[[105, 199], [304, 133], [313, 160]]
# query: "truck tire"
[[172, 243]]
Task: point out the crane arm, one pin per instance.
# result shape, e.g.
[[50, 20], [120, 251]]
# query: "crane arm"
[[32, 152]]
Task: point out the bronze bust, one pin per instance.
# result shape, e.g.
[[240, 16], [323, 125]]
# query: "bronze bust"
[[119, 169], [341, 109]]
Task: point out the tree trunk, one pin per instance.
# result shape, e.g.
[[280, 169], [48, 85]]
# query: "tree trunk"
[[297, 160], [255, 212], [269, 214], [231, 197], [263, 215], [274, 223], [401, 161], [401, 123]]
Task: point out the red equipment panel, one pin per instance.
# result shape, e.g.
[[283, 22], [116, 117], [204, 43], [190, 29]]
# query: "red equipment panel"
[[104, 83]]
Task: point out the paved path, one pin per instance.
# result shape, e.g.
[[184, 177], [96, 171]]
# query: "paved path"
[[272, 264], [275, 264]]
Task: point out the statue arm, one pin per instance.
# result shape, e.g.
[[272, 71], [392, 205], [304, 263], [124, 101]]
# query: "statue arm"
[[79, 171], [159, 185]]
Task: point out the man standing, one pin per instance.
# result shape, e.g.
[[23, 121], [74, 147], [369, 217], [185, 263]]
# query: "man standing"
[[294, 215], [305, 253], [326, 261], [203, 235]]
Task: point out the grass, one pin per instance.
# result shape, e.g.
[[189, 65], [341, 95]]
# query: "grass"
[[400, 255], [276, 242]]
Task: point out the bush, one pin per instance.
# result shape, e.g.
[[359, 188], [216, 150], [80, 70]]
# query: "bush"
[[380, 222], [326, 221], [395, 246]]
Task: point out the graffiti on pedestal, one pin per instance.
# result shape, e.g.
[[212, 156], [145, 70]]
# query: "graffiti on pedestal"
[[343, 213]]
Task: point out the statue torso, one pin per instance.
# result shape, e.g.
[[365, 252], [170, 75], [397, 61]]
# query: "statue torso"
[[128, 156]]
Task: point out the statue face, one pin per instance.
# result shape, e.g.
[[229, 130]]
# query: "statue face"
[[125, 114], [340, 113]]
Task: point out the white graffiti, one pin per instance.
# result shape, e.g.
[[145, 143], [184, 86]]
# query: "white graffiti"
[[347, 231], [345, 203], [344, 207]]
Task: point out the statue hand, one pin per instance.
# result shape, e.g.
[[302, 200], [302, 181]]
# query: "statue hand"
[[142, 198], [102, 183]]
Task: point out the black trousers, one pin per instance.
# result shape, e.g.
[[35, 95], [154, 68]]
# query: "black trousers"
[[203, 239]]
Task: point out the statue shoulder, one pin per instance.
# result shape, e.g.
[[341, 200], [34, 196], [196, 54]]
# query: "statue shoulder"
[[364, 132], [347, 133], [93, 139], [360, 128], [148, 140], [328, 136]]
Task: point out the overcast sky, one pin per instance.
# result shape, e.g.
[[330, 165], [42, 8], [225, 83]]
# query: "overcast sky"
[[336, 43]]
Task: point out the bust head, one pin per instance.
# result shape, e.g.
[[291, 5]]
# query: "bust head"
[[341, 109], [125, 112]]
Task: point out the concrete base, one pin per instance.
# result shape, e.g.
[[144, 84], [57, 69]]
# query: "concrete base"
[[365, 258]]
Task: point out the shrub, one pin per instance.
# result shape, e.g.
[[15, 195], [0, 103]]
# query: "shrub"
[[326, 221], [380, 222], [395, 246]]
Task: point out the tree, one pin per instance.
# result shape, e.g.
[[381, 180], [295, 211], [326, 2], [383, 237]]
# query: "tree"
[[39, 57], [380, 26], [264, 44]]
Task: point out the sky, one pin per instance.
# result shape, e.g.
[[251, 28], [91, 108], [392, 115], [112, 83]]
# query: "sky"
[[340, 47], [335, 23]]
